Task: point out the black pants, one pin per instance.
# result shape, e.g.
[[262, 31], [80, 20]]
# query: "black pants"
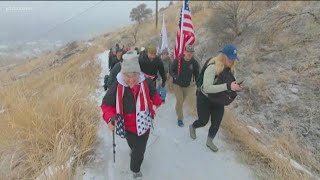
[[205, 109], [137, 145]]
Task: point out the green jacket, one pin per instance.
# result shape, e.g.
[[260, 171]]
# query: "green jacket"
[[209, 78]]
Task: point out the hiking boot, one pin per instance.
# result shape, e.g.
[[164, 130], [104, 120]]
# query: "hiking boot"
[[210, 145], [192, 132], [180, 123], [137, 175]]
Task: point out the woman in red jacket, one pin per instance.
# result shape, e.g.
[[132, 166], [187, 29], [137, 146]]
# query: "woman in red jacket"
[[130, 102]]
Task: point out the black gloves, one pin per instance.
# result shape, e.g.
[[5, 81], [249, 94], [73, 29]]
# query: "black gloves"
[[112, 120]]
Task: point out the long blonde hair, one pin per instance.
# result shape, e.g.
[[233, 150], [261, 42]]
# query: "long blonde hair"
[[219, 62]]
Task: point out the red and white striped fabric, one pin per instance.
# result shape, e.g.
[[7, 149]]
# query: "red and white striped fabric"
[[185, 28]]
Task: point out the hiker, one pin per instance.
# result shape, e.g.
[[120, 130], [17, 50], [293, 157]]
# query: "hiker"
[[181, 83], [117, 68], [111, 54], [117, 47], [223, 62], [137, 49], [166, 61], [142, 52], [110, 60], [116, 59], [128, 49], [129, 101], [151, 64]]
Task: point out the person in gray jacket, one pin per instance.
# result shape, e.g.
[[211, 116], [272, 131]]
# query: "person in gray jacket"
[[166, 61]]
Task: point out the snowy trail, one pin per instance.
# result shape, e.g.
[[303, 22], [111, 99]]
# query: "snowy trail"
[[171, 154]]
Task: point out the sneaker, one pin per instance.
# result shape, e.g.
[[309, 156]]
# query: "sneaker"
[[211, 146], [192, 132], [137, 175], [180, 123]]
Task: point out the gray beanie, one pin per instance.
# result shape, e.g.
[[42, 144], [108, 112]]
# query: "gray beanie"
[[130, 62]]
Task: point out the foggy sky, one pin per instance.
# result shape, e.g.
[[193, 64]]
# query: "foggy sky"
[[30, 20]]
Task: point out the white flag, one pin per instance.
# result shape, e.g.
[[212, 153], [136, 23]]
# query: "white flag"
[[163, 38]]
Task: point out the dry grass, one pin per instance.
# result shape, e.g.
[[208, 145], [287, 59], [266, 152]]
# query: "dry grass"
[[288, 143], [265, 160], [262, 90], [268, 164], [50, 120], [265, 157]]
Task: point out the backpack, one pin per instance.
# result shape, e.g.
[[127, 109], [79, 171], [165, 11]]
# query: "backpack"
[[106, 77], [222, 98], [225, 97], [199, 81]]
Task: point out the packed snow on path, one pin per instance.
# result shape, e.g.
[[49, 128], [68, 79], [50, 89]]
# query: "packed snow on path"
[[170, 155]]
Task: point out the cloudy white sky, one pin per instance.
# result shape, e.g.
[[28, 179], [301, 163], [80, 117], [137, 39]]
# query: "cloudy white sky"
[[30, 20]]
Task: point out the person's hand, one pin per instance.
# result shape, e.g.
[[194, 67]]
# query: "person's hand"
[[111, 123], [235, 86]]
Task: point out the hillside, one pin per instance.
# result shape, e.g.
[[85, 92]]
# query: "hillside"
[[277, 109], [49, 118]]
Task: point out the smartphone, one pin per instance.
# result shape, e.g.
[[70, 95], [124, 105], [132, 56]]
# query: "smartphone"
[[240, 82]]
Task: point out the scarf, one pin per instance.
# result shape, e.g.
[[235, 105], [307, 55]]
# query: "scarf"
[[143, 113]]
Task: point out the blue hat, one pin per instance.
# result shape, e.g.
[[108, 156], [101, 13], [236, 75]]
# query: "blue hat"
[[230, 51]]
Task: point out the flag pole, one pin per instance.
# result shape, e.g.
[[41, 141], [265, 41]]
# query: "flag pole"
[[181, 39]]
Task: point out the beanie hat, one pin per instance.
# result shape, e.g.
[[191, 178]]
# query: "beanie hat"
[[130, 62]]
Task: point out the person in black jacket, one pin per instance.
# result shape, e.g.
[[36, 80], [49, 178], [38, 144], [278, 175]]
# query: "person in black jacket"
[[117, 68], [151, 64], [116, 59], [181, 82]]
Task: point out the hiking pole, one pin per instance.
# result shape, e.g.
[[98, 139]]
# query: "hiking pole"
[[114, 147], [114, 142]]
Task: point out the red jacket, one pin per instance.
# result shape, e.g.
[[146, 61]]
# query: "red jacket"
[[108, 105]]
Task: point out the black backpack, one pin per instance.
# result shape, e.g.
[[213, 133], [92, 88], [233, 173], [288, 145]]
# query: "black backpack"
[[225, 97], [106, 77], [200, 78], [222, 98]]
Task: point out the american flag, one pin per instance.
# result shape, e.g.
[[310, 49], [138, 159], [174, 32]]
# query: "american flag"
[[185, 28]]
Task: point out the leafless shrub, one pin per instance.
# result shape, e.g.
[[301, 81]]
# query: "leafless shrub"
[[230, 19], [197, 8]]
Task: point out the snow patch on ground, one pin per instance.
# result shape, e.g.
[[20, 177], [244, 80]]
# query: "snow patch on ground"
[[254, 129], [298, 166], [52, 170]]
